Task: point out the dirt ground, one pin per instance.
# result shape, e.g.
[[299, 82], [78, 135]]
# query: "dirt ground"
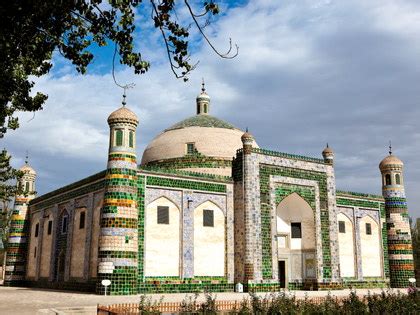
[[43, 301]]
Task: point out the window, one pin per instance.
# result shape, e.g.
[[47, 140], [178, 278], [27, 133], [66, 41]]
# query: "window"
[[208, 218], [131, 139], [387, 179], [190, 148], [397, 179], [368, 229], [49, 227], [64, 225], [36, 229], [27, 186], [205, 108], [341, 226], [162, 215], [82, 220], [119, 138], [296, 230], [35, 252]]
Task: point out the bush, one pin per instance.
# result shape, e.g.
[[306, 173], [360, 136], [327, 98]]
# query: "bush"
[[147, 307]]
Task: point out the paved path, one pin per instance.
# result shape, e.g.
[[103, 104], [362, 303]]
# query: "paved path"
[[39, 301]]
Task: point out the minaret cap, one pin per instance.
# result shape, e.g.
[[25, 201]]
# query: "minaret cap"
[[328, 154], [121, 115], [27, 169], [247, 137], [391, 161]]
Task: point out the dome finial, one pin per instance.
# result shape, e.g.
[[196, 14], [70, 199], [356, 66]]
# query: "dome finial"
[[27, 157], [390, 147], [203, 86], [126, 87]]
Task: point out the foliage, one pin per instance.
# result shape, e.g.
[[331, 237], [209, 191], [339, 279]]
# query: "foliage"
[[149, 307], [8, 190], [33, 30], [189, 304], [387, 303]]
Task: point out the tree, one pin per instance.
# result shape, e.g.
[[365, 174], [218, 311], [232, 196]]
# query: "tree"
[[33, 30], [9, 188]]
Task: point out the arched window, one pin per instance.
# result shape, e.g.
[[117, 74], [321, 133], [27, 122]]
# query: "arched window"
[[205, 108], [131, 139], [198, 109], [387, 179], [27, 187], [119, 138], [397, 179]]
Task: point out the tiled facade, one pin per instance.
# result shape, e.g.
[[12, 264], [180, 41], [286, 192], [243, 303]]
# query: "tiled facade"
[[112, 241]]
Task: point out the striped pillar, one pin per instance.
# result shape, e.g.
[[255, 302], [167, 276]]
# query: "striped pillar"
[[18, 240], [118, 243], [400, 250]]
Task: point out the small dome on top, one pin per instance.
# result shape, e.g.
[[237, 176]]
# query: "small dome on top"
[[247, 136], [123, 114], [27, 169], [390, 161], [203, 94], [327, 150]]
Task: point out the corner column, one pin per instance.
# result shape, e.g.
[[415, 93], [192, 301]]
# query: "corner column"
[[118, 241]]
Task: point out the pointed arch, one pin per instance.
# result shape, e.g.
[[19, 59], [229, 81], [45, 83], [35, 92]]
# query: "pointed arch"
[[209, 240], [210, 203], [162, 238], [370, 246], [346, 246], [295, 210], [160, 199]]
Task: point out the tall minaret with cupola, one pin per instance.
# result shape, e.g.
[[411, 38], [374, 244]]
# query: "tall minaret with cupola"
[[203, 101], [118, 242], [400, 250], [19, 228]]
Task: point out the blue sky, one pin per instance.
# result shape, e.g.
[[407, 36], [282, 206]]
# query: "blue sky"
[[308, 72]]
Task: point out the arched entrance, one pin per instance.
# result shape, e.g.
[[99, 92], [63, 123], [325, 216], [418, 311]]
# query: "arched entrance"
[[295, 240]]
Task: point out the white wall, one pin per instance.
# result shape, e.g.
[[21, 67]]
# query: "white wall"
[[209, 242], [162, 241], [346, 247], [370, 248]]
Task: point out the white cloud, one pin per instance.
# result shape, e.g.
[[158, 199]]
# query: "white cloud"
[[309, 72]]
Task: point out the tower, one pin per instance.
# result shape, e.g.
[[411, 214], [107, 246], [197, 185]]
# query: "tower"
[[328, 155], [203, 101], [19, 229], [400, 251], [118, 242]]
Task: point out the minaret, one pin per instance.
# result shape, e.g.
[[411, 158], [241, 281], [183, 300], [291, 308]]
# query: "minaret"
[[328, 155], [118, 242], [19, 229], [203, 101], [400, 250]]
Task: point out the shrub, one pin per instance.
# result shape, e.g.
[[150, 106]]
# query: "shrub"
[[147, 307]]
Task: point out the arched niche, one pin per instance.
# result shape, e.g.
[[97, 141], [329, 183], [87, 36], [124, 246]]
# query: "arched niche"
[[346, 245], [209, 240], [294, 210], [162, 238], [370, 247]]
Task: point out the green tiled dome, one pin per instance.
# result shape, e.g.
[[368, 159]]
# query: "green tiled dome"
[[202, 121]]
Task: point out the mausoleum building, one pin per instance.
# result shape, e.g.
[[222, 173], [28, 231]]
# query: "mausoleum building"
[[207, 208]]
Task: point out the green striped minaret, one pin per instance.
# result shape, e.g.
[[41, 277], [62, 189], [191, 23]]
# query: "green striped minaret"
[[400, 249], [17, 245], [118, 243]]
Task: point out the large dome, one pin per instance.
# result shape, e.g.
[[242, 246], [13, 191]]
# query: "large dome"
[[213, 140]]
